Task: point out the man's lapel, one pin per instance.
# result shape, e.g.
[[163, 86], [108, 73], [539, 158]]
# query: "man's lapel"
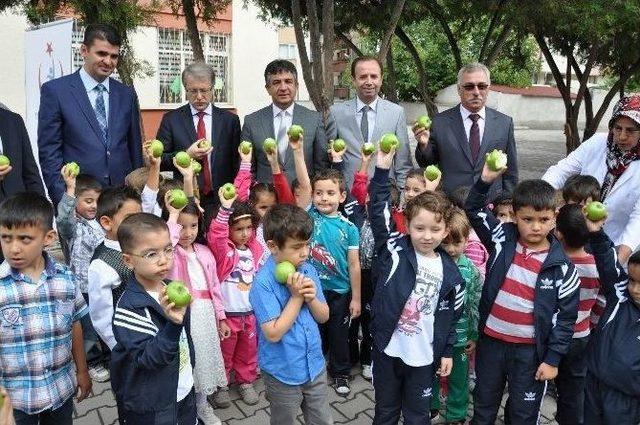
[[457, 127], [216, 134], [350, 108], [489, 131], [114, 107], [187, 122], [381, 110], [80, 94]]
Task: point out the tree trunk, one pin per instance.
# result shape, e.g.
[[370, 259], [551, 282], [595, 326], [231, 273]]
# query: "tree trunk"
[[436, 10], [498, 45], [328, 42], [492, 25], [313, 87], [385, 44], [188, 8], [389, 82]]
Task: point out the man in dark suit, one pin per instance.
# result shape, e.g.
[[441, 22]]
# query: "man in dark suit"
[[281, 82], [90, 118], [182, 128], [461, 136]]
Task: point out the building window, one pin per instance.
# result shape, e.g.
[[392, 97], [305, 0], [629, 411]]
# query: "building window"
[[175, 53], [76, 41], [288, 51]]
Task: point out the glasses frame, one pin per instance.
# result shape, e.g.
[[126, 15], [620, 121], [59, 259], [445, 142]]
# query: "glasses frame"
[[165, 253], [472, 86]]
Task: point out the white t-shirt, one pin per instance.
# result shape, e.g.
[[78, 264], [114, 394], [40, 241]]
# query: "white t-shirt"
[[197, 278], [235, 288], [185, 376], [412, 341]]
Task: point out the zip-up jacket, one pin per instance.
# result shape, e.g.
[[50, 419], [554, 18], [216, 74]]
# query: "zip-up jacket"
[[613, 355], [557, 294], [394, 274], [145, 362]]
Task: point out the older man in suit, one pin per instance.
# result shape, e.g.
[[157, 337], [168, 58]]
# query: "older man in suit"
[[90, 118], [182, 128], [461, 136], [366, 118], [281, 82]]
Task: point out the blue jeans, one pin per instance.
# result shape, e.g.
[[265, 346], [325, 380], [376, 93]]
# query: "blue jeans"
[[63, 415]]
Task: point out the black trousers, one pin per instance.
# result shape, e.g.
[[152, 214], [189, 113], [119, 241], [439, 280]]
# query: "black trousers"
[[182, 414], [572, 371], [335, 333], [360, 351], [605, 405], [401, 388]]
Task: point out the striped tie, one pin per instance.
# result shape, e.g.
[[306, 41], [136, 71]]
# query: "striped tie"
[[101, 112]]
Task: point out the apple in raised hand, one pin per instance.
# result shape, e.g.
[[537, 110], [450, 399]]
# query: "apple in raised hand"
[[269, 145], [431, 173], [283, 270], [178, 293], [595, 211], [204, 144], [496, 160], [4, 161], [183, 159], [294, 132], [157, 148], [228, 191], [423, 122], [245, 147], [368, 148], [338, 145], [389, 141], [179, 199], [196, 166], [73, 169]]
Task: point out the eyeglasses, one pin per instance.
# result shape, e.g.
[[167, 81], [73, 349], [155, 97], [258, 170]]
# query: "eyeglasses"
[[628, 130], [195, 92], [154, 257], [471, 86]]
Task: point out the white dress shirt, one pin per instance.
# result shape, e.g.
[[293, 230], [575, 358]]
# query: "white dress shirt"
[[371, 115], [468, 122], [288, 122], [89, 85], [207, 123]]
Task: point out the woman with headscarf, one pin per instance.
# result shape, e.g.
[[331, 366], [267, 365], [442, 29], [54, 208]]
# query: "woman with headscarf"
[[614, 159]]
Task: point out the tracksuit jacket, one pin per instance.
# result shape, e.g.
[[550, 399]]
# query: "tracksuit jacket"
[[557, 292], [395, 275]]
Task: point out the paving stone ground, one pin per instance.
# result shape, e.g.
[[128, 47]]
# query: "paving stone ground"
[[537, 150]]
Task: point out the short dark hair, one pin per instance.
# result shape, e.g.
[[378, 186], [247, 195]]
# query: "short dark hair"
[[330, 174], [138, 224], [416, 173], [277, 66], [571, 223], [26, 209], [260, 188], [634, 259], [434, 202], [86, 182], [113, 198], [579, 188], [459, 196], [535, 193], [102, 32], [365, 58], [285, 221]]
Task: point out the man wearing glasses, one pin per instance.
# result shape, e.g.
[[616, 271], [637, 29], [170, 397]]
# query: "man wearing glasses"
[[461, 136], [183, 128]]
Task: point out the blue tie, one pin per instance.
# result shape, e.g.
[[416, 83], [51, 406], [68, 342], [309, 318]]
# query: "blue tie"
[[101, 113]]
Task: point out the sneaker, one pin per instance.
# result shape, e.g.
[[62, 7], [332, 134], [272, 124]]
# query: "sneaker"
[[98, 373], [341, 385], [436, 418], [367, 372], [248, 394], [206, 415], [221, 398]]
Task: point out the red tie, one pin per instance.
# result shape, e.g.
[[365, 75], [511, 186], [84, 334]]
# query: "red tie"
[[201, 133], [474, 137]]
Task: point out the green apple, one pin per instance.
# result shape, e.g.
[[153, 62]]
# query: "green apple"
[[389, 141], [179, 199], [496, 160], [204, 144], [338, 145], [368, 148], [431, 173], [596, 211], [269, 145], [4, 161], [423, 121], [283, 270], [228, 191], [178, 293], [183, 159], [245, 147], [73, 169], [157, 148], [294, 132], [196, 166]]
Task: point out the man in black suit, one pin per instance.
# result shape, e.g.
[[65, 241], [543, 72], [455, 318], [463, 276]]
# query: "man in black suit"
[[181, 129]]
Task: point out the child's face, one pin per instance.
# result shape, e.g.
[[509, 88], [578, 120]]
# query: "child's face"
[[189, 231], [426, 232], [264, 202], [413, 187], [87, 204], [296, 193], [504, 213], [327, 196], [111, 224], [455, 249], [240, 231], [295, 251], [152, 257], [634, 282], [22, 246], [534, 226]]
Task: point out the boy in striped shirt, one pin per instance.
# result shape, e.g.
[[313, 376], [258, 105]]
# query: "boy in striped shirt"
[[529, 301]]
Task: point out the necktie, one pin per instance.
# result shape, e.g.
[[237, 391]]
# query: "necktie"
[[364, 123], [101, 112], [283, 141], [201, 133], [474, 137]]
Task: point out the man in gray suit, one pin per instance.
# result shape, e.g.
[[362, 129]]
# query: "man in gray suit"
[[281, 82], [461, 136], [366, 118]]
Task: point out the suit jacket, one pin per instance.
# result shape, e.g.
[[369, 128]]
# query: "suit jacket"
[[259, 126], [177, 133], [449, 148], [390, 118], [24, 175], [68, 130]]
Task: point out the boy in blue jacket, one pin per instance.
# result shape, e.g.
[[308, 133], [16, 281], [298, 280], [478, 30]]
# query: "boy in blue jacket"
[[151, 364], [418, 298], [529, 301], [613, 353]]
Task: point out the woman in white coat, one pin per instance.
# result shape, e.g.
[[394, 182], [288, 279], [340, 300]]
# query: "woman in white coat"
[[614, 159]]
